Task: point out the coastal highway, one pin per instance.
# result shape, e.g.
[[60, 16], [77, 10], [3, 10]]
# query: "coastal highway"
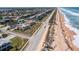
[[36, 37]]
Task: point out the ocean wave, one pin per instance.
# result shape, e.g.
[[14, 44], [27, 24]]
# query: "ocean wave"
[[70, 12], [67, 23]]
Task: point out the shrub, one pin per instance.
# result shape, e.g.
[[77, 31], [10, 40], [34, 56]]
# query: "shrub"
[[4, 35]]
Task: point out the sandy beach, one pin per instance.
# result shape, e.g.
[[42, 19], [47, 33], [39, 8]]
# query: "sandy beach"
[[68, 34], [59, 36]]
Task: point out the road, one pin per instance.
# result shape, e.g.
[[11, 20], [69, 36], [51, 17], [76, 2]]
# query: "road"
[[18, 17], [35, 39], [14, 33]]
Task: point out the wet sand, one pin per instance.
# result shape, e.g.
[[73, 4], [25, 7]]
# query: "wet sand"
[[68, 34]]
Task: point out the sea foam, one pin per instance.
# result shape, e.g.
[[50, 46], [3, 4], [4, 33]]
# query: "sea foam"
[[67, 23]]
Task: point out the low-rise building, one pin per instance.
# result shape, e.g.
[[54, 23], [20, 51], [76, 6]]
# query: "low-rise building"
[[6, 39], [23, 26], [5, 19]]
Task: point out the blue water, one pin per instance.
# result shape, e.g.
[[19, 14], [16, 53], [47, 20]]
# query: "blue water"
[[74, 19], [75, 9]]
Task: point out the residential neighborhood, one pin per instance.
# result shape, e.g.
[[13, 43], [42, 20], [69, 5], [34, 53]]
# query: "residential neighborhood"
[[18, 26]]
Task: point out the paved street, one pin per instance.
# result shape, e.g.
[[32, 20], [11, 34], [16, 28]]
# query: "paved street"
[[35, 39]]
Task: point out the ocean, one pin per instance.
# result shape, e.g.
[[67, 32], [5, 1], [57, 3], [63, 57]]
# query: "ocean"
[[72, 21], [73, 15]]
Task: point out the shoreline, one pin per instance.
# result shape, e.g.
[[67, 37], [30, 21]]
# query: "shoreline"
[[68, 32]]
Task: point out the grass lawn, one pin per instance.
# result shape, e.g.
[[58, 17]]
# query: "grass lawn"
[[18, 43], [44, 19], [31, 30]]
